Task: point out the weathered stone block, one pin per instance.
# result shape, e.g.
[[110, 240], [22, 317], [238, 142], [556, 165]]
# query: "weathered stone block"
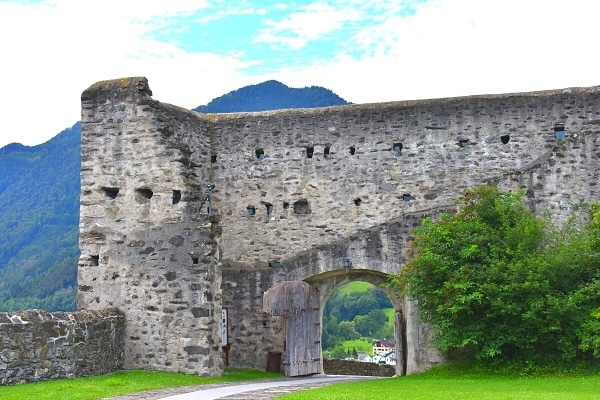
[[91, 343]]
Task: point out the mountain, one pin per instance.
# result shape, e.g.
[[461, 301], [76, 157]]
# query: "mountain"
[[271, 95], [39, 217], [39, 201]]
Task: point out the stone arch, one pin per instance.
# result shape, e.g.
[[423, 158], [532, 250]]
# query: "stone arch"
[[375, 254], [327, 283]]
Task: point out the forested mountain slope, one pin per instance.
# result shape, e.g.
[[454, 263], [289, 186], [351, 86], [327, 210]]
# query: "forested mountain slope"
[[272, 95], [39, 217]]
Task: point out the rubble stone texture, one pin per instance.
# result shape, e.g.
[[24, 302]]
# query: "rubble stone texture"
[[36, 345], [296, 193]]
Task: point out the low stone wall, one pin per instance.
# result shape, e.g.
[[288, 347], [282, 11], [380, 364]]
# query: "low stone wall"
[[36, 345], [342, 367]]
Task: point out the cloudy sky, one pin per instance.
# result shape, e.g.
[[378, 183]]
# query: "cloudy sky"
[[366, 51]]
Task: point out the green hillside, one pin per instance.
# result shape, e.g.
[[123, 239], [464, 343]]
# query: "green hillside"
[[355, 315], [354, 287], [39, 217], [272, 95]]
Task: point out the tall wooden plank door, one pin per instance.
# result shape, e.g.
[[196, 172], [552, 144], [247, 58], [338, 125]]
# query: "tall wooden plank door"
[[298, 302]]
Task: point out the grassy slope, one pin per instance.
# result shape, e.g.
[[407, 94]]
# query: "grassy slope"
[[365, 345], [390, 314], [440, 385], [355, 286]]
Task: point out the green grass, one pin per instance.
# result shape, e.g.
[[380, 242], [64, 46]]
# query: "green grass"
[[365, 345], [119, 383], [353, 287], [389, 312], [441, 384]]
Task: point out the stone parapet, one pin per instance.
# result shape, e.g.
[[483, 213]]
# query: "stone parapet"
[[333, 366], [37, 345]]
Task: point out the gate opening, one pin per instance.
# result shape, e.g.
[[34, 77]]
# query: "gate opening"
[[358, 326]]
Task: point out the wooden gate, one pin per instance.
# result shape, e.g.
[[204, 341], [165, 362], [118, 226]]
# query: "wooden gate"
[[298, 303]]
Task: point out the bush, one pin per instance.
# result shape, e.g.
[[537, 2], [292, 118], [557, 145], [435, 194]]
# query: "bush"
[[495, 282]]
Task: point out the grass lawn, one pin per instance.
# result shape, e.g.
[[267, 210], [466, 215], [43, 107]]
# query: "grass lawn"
[[365, 345], [439, 384], [118, 383], [354, 286], [390, 313]]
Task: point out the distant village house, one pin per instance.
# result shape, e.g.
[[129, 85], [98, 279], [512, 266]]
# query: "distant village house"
[[384, 346]]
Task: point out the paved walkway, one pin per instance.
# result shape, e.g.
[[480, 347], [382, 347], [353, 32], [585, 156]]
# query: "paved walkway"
[[264, 390]]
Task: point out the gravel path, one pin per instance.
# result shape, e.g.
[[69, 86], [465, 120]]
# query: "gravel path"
[[270, 389]]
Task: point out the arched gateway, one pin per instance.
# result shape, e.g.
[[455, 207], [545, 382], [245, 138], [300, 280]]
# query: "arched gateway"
[[184, 215]]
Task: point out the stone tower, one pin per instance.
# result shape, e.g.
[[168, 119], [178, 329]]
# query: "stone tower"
[[148, 243]]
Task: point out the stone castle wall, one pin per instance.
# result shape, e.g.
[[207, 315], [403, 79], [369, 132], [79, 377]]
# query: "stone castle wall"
[[36, 345], [322, 185], [315, 199], [511, 143], [344, 367], [148, 245]]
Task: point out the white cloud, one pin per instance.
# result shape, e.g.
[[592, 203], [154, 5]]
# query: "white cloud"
[[453, 48], [55, 50], [52, 51], [308, 23]]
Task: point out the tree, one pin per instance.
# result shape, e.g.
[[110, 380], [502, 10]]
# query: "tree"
[[339, 352], [329, 335], [346, 331], [501, 283], [368, 325]]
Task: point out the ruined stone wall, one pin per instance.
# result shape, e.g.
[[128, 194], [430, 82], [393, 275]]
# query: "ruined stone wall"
[[348, 199], [36, 345], [148, 245], [333, 366], [355, 180], [321, 185]]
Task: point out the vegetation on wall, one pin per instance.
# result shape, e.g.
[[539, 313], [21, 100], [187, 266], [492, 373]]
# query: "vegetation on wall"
[[499, 284]]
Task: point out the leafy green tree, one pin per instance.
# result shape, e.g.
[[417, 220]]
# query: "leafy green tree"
[[329, 335], [501, 284], [386, 331], [347, 307], [346, 330], [368, 325], [339, 352]]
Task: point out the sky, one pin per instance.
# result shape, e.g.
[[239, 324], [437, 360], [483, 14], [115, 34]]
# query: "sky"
[[365, 51]]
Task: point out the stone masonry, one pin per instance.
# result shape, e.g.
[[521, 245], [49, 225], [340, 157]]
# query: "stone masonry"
[[296, 192], [36, 345], [147, 247]]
